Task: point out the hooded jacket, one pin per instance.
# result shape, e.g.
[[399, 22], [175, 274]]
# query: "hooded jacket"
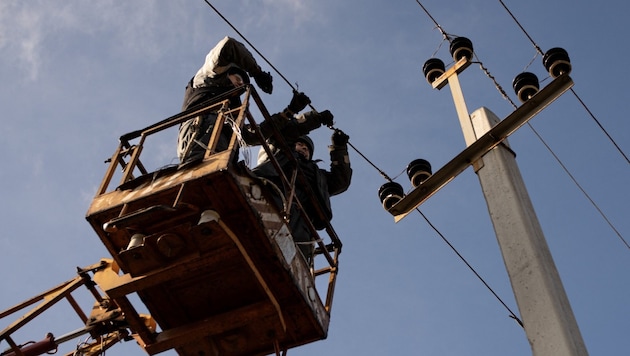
[[211, 79]]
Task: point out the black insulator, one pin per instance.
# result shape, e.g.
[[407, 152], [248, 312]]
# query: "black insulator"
[[433, 68], [418, 171], [557, 62], [525, 86], [461, 47], [390, 193]]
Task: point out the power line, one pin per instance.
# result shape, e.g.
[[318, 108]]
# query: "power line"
[[249, 43], [581, 189], [289, 83], [507, 98], [594, 119], [540, 52], [564, 168], [447, 37], [512, 315]]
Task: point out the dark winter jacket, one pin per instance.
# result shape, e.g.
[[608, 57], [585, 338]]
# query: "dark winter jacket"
[[324, 184]]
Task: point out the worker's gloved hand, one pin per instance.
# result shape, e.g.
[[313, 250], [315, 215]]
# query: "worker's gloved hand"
[[339, 138], [264, 81], [326, 118], [298, 102]]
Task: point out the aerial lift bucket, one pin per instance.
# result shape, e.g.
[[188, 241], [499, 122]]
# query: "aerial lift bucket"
[[207, 251]]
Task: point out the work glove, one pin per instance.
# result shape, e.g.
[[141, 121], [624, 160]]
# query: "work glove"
[[339, 138], [264, 81], [298, 102], [326, 118]]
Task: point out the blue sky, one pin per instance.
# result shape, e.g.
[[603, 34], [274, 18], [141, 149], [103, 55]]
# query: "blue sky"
[[75, 75]]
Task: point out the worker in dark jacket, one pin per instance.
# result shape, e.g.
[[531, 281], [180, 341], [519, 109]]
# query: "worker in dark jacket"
[[322, 183]]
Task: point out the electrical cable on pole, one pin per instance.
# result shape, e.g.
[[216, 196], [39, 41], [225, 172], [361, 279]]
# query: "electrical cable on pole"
[[599, 210], [512, 314], [507, 98], [540, 52], [518, 231], [536, 283]]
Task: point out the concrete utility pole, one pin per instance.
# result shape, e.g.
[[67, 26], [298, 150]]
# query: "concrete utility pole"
[[548, 320]]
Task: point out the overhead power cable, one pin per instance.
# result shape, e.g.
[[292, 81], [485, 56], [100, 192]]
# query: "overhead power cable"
[[383, 174], [599, 210], [249, 43], [437, 25], [448, 37], [512, 314], [289, 83], [540, 52]]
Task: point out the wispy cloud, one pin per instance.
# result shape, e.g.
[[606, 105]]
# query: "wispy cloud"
[[135, 28], [20, 37]]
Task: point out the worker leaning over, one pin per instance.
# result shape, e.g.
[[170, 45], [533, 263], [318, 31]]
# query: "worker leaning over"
[[227, 66]]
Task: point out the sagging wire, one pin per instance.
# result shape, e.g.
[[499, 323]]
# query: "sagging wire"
[[585, 194], [599, 210], [471, 268], [294, 88], [496, 83], [540, 52]]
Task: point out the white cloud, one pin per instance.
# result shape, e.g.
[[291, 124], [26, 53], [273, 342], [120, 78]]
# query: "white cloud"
[[131, 28], [21, 37]]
